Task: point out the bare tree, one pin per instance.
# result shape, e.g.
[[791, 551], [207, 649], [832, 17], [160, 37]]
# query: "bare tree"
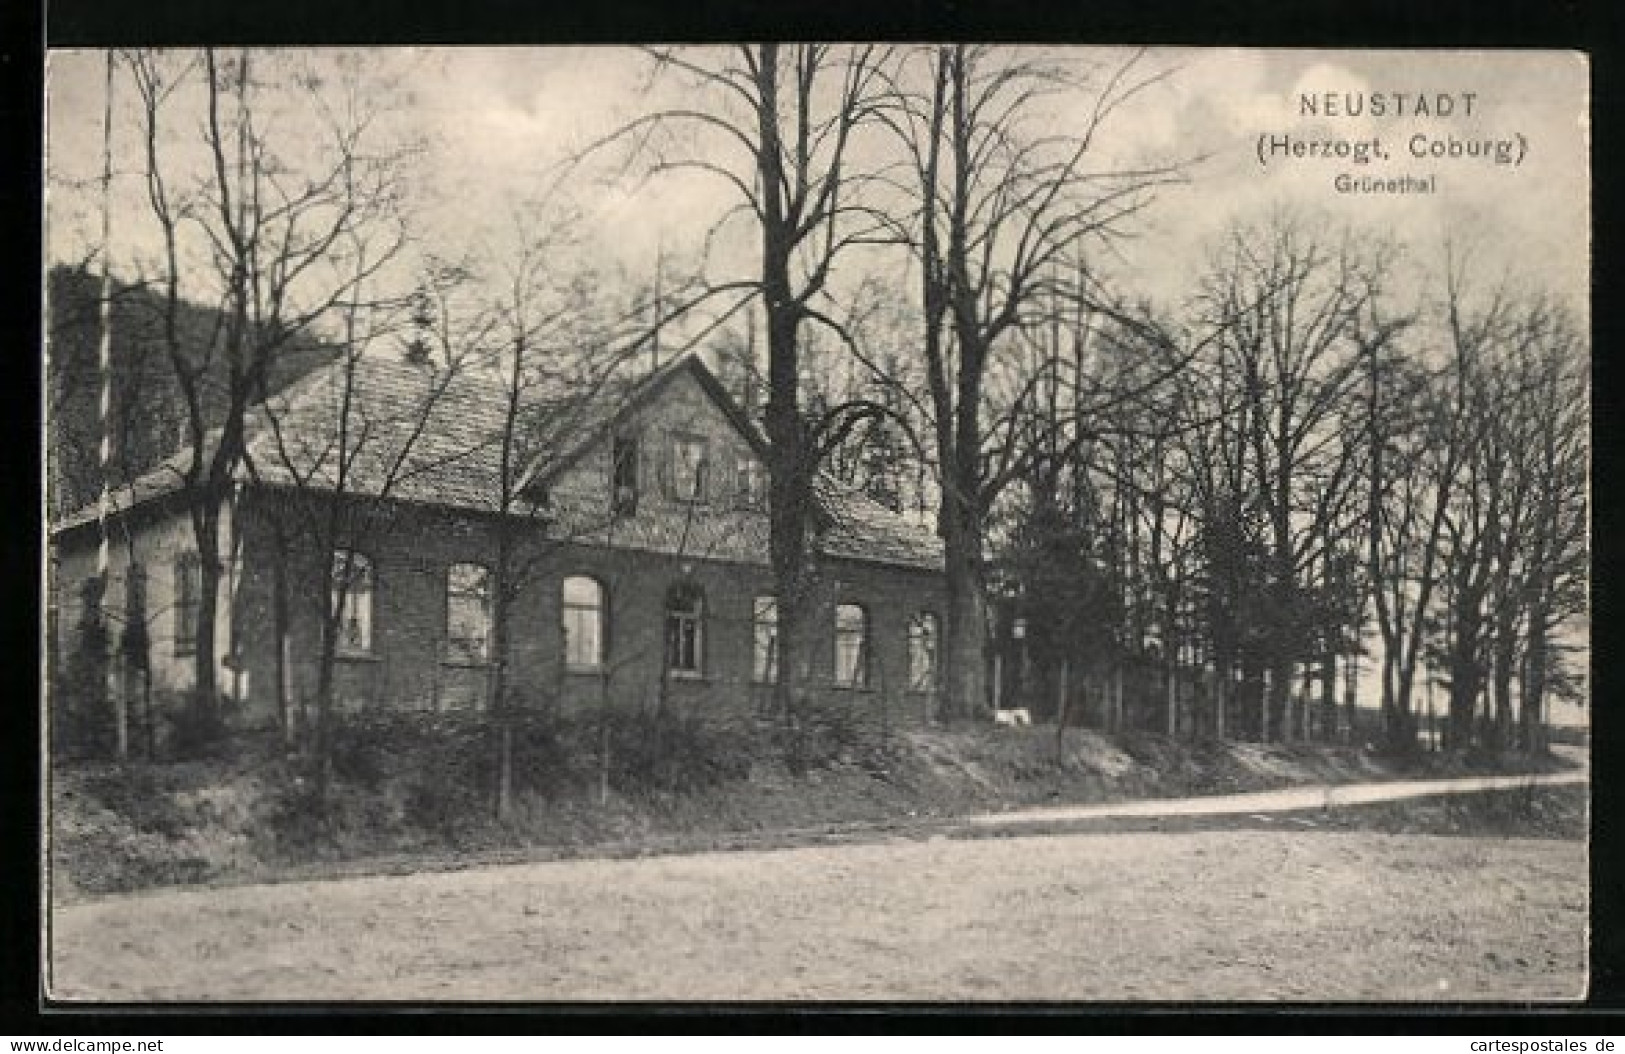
[[1517, 354], [995, 208], [554, 352], [779, 126], [1556, 565], [1290, 301], [333, 454], [268, 241]]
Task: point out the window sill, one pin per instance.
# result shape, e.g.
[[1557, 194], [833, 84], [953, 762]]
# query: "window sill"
[[468, 664], [690, 676], [584, 671], [356, 656]]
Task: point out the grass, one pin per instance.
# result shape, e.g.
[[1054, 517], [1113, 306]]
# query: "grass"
[[408, 798]]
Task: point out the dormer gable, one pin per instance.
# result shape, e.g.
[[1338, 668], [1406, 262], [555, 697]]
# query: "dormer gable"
[[676, 440]]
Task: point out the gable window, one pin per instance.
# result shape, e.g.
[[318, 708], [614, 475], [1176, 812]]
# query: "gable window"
[[583, 623], [624, 475], [352, 600], [750, 483], [688, 468], [188, 599], [468, 613], [851, 646], [765, 634], [685, 630], [922, 652]]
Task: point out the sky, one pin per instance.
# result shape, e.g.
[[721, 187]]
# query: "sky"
[[496, 124]]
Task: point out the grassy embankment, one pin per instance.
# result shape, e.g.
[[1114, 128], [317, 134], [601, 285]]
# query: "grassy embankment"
[[414, 801]]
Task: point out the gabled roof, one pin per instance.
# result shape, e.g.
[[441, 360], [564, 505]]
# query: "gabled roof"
[[429, 437], [638, 393], [860, 528]]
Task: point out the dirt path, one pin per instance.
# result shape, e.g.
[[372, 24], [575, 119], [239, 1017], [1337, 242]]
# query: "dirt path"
[[1207, 915], [1288, 799]]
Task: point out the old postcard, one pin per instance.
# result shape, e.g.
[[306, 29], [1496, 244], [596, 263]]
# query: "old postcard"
[[947, 523]]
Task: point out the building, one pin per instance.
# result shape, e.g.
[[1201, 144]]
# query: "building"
[[636, 534]]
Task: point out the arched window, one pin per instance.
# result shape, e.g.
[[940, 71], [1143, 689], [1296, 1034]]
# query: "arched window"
[[685, 630], [352, 600], [851, 646], [583, 623], [922, 652], [468, 613], [765, 634]]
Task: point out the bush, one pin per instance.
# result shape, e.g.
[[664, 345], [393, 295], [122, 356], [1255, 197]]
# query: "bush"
[[665, 751], [195, 732], [135, 795], [81, 711], [431, 762], [443, 766], [303, 823], [826, 731], [551, 758], [437, 772]]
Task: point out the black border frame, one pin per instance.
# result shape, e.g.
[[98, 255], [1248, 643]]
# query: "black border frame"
[[27, 29]]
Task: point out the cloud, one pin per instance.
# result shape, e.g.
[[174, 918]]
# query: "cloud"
[[499, 121]]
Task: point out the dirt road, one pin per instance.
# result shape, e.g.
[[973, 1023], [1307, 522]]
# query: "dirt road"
[[1287, 799], [1207, 915]]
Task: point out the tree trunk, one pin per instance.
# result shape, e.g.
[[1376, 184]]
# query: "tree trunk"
[[1171, 675], [790, 463], [504, 789], [1117, 697], [497, 687], [280, 633], [1532, 692], [119, 680], [1259, 684], [603, 737], [149, 719], [1287, 713], [1501, 685], [1465, 679], [965, 654], [1351, 698], [322, 733], [1062, 706], [205, 691], [794, 671], [1328, 696], [1401, 720]]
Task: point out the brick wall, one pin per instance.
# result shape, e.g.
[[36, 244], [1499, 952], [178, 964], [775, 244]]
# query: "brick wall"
[[410, 665]]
